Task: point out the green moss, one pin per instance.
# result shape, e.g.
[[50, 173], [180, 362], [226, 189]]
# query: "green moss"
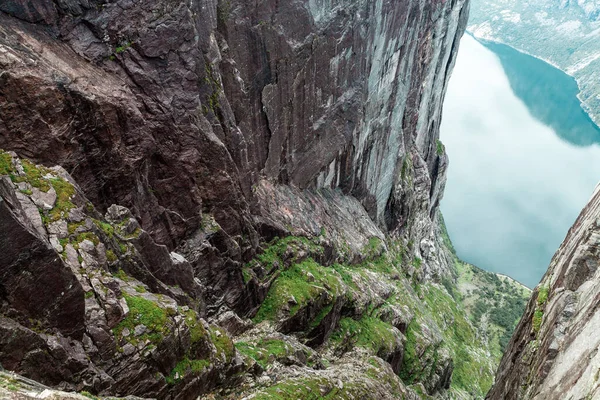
[[410, 361], [89, 294], [536, 322], [140, 289], [72, 226], [185, 367], [6, 167], [105, 227], [224, 345], [373, 248], [273, 254], [88, 236], [294, 283], [542, 295], [89, 395], [538, 314], [417, 262], [305, 389], [122, 275], [121, 49], [440, 148], [368, 332], [262, 351], [197, 331], [110, 256], [64, 193], [145, 312], [34, 175]]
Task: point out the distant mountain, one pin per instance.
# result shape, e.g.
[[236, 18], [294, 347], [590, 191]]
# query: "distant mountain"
[[565, 33]]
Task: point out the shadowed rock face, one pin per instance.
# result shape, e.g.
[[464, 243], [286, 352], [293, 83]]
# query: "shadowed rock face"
[[554, 351], [174, 108]]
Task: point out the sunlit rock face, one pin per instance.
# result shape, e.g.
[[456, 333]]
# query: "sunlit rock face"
[[554, 352], [195, 116]]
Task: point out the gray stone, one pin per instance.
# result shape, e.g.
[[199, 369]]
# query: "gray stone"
[[87, 246], [116, 213], [140, 330], [129, 349], [44, 200], [56, 243], [59, 229]]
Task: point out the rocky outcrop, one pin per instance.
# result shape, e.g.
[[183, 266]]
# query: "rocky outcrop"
[[554, 351], [83, 306]]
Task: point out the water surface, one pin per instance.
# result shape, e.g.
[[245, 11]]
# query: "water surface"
[[523, 159]]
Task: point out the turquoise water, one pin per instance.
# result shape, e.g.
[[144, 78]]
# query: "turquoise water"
[[524, 159]]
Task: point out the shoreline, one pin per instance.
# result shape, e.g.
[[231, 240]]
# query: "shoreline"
[[482, 39]]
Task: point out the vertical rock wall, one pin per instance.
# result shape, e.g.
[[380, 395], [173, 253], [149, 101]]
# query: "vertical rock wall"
[[554, 351], [177, 108]]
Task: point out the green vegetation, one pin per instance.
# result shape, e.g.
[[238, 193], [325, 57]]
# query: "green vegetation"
[[440, 148], [295, 285], [105, 227], [542, 295], [263, 350], [6, 167], [43, 179], [110, 256], [184, 367], [367, 332], [34, 176], [446, 320], [121, 49], [538, 314], [499, 300], [89, 395], [224, 345], [417, 262], [64, 193], [143, 312], [197, 331]]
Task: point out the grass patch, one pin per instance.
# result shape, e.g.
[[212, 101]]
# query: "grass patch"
[[263, 350], [6, 167], [111, 256], [184, 367], [144, 312], [224, 345], [34, 176], [64, 193], [368, 332], [294, 283], [440, 148]]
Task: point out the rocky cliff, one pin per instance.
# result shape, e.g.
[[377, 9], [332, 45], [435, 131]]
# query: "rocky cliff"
[[277, 171], [554, 351]]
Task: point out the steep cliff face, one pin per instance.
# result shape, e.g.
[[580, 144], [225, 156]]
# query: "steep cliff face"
[[554, 352], [221, 125], [193, 103]]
